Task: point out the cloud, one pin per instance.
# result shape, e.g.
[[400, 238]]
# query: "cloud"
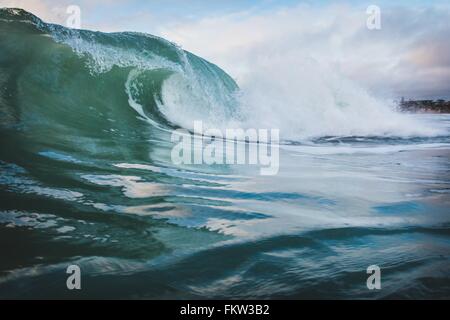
[[96, 14], [46, 10], [409, 56]]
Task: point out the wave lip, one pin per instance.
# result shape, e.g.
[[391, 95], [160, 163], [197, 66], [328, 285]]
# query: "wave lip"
[[163, 83]]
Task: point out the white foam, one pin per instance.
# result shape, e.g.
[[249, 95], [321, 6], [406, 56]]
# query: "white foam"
[[305, 100]]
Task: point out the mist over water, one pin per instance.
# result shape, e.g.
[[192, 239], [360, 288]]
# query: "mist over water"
[[86, 176], [308, 100]]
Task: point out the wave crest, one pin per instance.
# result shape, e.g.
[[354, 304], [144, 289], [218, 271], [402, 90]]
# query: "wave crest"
[[168, 86]]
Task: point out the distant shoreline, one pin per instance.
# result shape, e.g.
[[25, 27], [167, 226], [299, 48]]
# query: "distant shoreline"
[[424, 106]]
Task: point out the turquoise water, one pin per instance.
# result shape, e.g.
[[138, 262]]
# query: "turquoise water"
[[86, 178]]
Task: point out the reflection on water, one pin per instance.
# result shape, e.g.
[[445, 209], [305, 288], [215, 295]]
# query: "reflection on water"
[[149, 229]]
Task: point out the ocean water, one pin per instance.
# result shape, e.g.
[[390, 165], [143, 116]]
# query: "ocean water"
[[86, 178]]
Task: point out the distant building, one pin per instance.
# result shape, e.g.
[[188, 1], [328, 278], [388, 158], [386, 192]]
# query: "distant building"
[[424, 106]]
